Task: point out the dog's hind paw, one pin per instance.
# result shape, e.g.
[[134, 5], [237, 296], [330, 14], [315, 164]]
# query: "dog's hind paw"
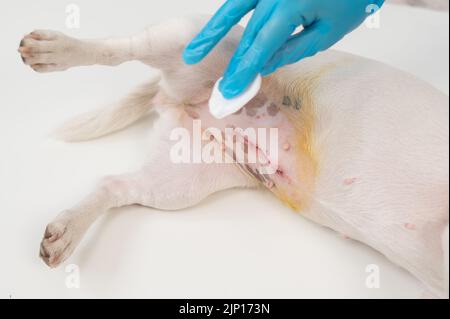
[[60, 240], [48, 51]]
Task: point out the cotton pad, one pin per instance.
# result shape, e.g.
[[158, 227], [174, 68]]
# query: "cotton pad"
[[220, 107]]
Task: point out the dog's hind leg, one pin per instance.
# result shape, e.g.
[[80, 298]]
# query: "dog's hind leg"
[[50, 51], [159, 46], [160, 185]]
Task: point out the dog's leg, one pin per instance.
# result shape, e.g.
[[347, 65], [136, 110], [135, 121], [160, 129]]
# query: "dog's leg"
[[161, 185], [158, 46], [50, 51]]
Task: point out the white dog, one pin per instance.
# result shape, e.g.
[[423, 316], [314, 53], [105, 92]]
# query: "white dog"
[[363, 148]]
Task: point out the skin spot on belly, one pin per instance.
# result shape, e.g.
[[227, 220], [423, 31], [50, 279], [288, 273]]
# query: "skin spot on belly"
[[350, 181], [410, 226], [280, 172], [287, 147]]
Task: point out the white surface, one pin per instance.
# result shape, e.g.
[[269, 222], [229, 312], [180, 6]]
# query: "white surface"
[[221, 107], [236, 244]]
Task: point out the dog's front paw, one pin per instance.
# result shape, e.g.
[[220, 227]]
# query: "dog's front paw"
[[48, 51], [59, 242]]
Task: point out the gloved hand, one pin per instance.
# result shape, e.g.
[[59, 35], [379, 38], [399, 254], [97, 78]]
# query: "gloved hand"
[[268, 42]]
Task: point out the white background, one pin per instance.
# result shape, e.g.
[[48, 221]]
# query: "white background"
[[236, 244]]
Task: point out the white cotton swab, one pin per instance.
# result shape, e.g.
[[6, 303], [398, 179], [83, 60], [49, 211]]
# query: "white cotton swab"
[[220, 107]]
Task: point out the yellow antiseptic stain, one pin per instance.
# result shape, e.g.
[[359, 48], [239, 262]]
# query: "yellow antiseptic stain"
[[299, 91]]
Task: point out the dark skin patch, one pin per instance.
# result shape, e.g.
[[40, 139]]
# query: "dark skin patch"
[[251, 112], [252, 107], [298, 105], [295, 103], [287, 101], [273, 109]]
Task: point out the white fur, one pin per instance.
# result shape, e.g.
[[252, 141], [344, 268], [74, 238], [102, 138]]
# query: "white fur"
[[381, 135]]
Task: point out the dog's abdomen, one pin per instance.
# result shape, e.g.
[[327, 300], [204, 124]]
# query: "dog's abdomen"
[[381, 143]]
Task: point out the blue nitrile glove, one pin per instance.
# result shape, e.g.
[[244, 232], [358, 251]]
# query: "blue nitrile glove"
[[268, 42]]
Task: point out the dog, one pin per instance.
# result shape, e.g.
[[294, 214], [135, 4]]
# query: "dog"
[[430, 4], [363, 148]]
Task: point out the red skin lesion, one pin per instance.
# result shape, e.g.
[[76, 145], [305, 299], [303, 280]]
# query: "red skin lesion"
[[350, 181]]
